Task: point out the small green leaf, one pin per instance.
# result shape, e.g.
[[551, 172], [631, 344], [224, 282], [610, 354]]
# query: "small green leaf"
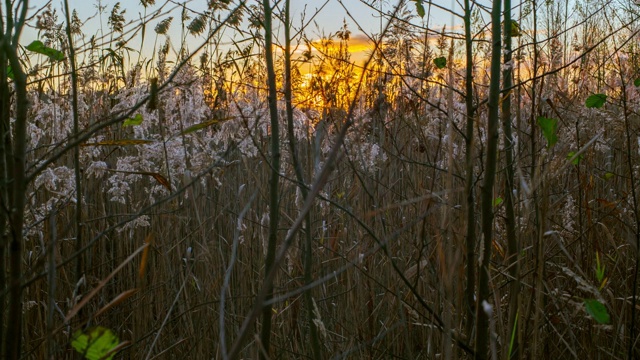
[[440, 62], [608, 175], [96, 343], [420, 8], [38, 47], [636, 82], [497, 201], [136, 120], [549, 128], [597, 311], [515, 29], [575, 160], [599, 269], [596, 101]]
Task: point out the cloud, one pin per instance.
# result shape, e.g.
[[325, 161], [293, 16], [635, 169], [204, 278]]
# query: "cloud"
[[360, 43], [359, 46]]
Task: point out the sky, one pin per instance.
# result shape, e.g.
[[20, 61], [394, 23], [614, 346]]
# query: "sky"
[[331, 17], [329, 20]]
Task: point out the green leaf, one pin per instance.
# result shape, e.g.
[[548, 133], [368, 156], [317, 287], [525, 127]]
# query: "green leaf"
[[440, 62], [38, 47], [497, 201], [136, 120], [608, 175], [420, 8], [597, 311], [549, 128], [96, 343], [575, 160], [515, 29], [636, 82], [596, 101]]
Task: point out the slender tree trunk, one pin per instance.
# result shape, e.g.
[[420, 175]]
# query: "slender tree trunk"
[[512, 240], [483, 304], [5, 146], [265, 335], [632, 351], [307, 256], [16, 168], [470, 178], [5, 161], [17, 200]]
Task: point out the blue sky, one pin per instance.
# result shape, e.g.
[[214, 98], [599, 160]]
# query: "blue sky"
[[329, 19]]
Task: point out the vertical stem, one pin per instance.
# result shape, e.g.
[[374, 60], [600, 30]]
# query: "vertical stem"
[[447, 271], [512, 241], [307, 247], [632, 351], [16, 167], [17, 200], [51, 275], [482, 316], [538, 219], [76, 150], [5, 160], [265, 335], [5, 156], [468, 190]]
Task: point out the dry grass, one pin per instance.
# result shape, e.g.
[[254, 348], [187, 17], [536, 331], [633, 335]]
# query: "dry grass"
[[377, 224]]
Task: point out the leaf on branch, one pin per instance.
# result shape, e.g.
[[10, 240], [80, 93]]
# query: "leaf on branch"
[[134, 121], [96, 343], [38, 47], [515, 29], [440, 62], [420, 8], [597, 311], [575, 160], [596, 101], [549, 128]]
